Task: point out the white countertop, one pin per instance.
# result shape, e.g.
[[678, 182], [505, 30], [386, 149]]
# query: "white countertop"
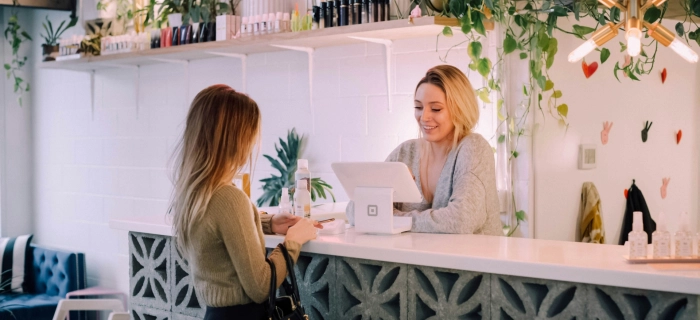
[[544, 259]]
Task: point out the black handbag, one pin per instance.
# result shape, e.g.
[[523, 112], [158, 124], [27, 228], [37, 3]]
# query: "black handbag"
[[288, 306]]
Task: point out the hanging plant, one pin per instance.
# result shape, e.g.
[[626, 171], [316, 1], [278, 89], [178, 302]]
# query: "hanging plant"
[[16, 36], [527, 29]]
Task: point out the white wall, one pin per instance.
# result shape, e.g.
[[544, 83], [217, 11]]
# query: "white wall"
[[16, 145], [671, 106], [91, 166]]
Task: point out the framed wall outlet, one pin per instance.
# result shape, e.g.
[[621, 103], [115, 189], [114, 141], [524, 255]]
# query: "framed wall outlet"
[[587, 157]]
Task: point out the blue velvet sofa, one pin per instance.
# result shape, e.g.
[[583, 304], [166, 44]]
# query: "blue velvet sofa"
[[53, 274]]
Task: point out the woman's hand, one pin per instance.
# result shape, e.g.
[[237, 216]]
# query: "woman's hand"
[[281, 222], [301, 232]]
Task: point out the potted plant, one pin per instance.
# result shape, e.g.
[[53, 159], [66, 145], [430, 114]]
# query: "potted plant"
[[288, 153], [51, 36]]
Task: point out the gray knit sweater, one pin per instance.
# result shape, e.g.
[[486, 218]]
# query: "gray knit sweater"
[[465, 201]]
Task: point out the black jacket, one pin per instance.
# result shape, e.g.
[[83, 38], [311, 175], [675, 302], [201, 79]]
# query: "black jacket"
[[636, 202]]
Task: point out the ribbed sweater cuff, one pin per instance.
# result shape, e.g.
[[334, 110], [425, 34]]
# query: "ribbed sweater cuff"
[[266, 222]]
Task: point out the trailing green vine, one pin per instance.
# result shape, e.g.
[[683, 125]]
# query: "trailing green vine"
[[16, 36]]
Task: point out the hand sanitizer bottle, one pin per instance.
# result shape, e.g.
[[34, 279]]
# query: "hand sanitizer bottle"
[[661, 238], [638, 238], [302, 200], [684, 239], [285, 206]]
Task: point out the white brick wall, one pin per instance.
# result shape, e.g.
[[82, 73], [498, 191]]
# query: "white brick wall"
[[113, 162]]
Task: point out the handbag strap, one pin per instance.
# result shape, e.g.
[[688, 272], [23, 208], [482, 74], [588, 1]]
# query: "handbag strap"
[[290, 272], [272, 296]]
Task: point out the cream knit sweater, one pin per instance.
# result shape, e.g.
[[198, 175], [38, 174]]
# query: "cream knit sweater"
[[227, 251]]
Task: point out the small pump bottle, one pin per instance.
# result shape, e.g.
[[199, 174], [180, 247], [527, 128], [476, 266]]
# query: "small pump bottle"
[[637, 238], [303, 173], [684, 238], [661, 238], [302, 200], [285, 205]]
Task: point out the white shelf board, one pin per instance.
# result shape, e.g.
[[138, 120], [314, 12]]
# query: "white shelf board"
[[337, 36]]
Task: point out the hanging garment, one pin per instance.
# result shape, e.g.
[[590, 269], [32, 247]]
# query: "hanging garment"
[[590, 216], [636, 202]]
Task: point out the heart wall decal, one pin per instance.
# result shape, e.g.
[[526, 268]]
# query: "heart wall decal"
[[589, 69]]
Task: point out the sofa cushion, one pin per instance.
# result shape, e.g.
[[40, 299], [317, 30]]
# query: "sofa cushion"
[[15, 261], [57, 272], [27, 306]]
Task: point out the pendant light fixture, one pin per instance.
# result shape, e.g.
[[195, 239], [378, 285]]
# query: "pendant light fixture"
[[633, 32]]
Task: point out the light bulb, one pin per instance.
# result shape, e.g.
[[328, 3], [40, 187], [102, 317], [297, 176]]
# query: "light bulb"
[[684, 51], [634, 42], [582, 51]]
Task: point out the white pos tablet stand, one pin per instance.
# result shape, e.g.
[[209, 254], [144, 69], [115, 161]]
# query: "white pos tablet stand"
[[374, 187]]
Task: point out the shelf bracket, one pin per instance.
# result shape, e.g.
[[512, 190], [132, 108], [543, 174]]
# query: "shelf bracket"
[[388, 46], [310, 52], [186, 66], [244, 65]]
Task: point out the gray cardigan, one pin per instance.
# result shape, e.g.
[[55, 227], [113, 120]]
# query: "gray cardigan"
[[465, 201]]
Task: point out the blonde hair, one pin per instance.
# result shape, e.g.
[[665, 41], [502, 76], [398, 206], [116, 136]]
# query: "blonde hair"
[[460, 98], [221, 130]]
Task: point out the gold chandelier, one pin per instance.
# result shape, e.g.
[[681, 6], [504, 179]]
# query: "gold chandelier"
[[633, 32]]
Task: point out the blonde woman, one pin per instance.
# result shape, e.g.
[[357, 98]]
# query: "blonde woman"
[[217, 228], [454, 168]]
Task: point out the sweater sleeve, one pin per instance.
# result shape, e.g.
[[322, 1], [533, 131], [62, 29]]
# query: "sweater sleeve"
[[465, 212], [266, 223], [235, 220]]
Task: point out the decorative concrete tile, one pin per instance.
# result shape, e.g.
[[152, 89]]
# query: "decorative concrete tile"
[[316, 278], [184, 296], [370, 289], [527, 298], [144, 313], [436, 293], [149, 270], [631, 304]]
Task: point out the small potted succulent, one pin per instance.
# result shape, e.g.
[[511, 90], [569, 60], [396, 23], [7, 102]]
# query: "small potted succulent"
[[50, 46]]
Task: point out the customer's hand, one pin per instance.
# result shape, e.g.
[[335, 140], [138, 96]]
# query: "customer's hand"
[[281, 222], [301, 232]]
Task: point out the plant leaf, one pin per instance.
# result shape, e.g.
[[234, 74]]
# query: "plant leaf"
[[582, 30], [604, 55], [563, 110], [556, 94], [652, 15], [520, 215], [502, 138], [548, 85], [484, 95], [478, 23], [474, 50], [523, 56], [509, 44], [447, 32], [484, 67], [680, 29]]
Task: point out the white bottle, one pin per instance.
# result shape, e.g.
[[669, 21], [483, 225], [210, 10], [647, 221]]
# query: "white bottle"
[[661, 238], [285, 205], [637, 238], [303, 173], [684, 238], [302, 200]]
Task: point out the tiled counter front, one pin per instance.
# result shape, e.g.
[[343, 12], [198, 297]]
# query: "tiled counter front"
[[335, 287]]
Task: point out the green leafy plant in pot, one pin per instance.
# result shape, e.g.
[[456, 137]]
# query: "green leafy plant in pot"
[[286, 163], [51, 36]]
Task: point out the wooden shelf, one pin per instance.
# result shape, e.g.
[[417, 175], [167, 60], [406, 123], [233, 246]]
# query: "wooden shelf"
[[389, 30]]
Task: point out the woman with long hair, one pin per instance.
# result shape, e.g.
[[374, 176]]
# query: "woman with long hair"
[[454, 167], [217, 228]]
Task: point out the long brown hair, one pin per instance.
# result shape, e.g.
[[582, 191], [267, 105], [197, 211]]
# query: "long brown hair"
[[460, 96], [221, 129]]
